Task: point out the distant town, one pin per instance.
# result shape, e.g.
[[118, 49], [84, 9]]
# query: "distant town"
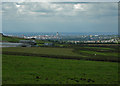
[[76, 39]]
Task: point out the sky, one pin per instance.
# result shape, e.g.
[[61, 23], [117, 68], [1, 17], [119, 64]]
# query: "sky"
[[59, 17]]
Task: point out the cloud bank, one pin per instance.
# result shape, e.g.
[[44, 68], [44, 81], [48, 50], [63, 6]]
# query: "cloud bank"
[[63, 17]]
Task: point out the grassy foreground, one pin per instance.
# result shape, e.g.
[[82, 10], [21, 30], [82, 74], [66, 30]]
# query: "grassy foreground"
[[35, 70]]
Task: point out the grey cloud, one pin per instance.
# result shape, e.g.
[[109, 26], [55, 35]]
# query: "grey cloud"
[[63, 9], [82, 16]]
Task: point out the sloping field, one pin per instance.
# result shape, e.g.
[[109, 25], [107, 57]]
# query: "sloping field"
[[89, 53], [42, 50], [35, 70], [17, 39], [11, 39]]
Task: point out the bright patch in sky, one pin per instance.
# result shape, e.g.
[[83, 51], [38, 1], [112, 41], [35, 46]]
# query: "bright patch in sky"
[[78, 6], [17, 5]]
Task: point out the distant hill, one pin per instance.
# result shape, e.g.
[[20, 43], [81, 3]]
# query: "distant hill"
[[10, 39], [4, 38], [1, 34]]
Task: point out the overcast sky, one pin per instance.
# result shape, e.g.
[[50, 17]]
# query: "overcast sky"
[[59, 17]]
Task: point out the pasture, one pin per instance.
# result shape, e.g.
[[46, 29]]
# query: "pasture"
[[51, 65], [36, 70], [84, 53]]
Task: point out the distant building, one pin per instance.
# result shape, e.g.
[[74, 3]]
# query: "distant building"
[[28, 43], [7, 44], [57, 34], [48, 44]]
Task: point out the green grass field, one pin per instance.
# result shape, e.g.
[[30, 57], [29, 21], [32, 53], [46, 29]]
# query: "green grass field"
[[42, 50], [40, 70], [97, 54]]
